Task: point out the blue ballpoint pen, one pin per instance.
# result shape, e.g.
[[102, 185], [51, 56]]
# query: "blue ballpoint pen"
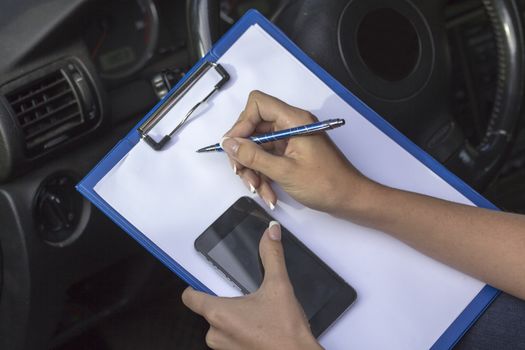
[[285, 134]]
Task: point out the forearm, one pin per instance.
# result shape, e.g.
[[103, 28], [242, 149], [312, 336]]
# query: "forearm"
[[486, 244]]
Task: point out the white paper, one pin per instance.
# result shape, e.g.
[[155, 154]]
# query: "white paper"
[[405, 299]]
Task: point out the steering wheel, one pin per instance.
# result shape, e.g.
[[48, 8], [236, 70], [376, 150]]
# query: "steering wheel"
[[410, 87]]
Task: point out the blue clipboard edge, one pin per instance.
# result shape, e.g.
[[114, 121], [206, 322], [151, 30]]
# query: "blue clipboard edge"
[[86, 188], [463, 322], [467, 318], [87, 184]]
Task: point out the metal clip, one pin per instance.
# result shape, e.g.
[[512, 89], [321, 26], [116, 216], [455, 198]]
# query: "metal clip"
[[150, 123]]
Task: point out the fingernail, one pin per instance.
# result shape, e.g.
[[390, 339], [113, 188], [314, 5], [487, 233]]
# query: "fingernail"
[[229, 145], [270, 204], [234, 166], [250, 186], [274, 231]]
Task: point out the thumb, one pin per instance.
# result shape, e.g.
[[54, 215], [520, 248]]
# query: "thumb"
[[201, 303], [272, 254], [252, 156]]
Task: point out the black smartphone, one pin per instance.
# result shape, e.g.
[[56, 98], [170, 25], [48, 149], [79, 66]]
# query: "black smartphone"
[[231, 244]]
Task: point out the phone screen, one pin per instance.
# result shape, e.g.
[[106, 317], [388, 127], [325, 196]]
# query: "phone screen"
[[238, 254], [231, 244]]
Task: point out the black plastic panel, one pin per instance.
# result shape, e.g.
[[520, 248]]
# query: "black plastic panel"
[[37, 274], [15, 156]]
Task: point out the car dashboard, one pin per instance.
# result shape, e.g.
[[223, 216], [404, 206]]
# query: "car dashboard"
[[76, 76]]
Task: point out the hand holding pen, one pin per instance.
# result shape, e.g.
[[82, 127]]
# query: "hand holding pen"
[[310, 169]]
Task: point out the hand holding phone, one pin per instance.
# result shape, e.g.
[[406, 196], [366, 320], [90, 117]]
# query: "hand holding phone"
[[270, 318], [231, 244]]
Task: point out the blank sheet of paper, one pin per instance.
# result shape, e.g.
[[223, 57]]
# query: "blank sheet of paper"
[[405, 299]]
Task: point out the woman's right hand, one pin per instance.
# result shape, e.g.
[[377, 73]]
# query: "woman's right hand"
[[483, 243], [309, 168]]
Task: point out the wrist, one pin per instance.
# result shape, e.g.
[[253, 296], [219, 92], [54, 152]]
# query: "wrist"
[[362, 199]]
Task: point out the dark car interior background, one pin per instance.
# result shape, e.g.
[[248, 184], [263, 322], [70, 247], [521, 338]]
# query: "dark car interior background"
[[77, 75]]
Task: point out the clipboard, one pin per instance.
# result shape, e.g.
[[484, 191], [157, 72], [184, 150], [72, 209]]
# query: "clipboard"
[[87, 186]]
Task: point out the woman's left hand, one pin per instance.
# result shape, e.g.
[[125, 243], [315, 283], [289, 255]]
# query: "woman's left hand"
[[270, 318]]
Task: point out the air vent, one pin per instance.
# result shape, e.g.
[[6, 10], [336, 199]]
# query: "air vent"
[[53, 109]]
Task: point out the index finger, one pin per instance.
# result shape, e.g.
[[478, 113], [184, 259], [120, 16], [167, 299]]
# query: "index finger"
[[263, 108]]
